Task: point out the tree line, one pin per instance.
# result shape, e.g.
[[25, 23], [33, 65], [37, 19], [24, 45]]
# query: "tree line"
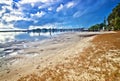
[[111, 23]]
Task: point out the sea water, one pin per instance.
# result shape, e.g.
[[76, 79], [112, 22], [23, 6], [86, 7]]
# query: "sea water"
[[11, 42]]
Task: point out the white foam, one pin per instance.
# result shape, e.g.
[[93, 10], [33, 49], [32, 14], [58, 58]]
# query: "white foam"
[[31, 55], [13, 53]]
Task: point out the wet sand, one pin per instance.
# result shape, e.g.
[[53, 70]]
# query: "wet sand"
[[50, 59]]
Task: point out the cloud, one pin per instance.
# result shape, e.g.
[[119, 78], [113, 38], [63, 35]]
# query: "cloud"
[[28, 1], [10, 14], [26, 13], [7, 26], [2, 11], [12, 17], [34, 1], [70, 4], [38, 14], [59, 8], [78, 14], [8, 2], [50, 8]]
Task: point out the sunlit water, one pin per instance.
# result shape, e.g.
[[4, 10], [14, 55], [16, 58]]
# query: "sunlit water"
[[20, 36], [9, 41]]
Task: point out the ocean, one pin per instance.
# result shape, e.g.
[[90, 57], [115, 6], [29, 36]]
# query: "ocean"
[[14, 41]]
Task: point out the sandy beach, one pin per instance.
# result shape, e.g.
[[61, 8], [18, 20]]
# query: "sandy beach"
[[91, 56]]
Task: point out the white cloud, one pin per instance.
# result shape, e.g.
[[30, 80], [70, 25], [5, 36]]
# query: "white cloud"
[[8, 6], [50, 8], [34, 1], [44, 6], [60, 8], [48, 3], [76, 14], [2, 11], [32, 4], [14, 15], [79, 13], [28, 1], [45, 1], [8, 26], [8, 2], [38, 14], [70, 4], [8, 17]]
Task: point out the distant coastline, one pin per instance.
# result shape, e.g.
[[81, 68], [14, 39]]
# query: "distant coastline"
[[44, 30]]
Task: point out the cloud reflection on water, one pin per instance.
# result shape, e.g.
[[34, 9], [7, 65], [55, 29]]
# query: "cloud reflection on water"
[[16, 36]]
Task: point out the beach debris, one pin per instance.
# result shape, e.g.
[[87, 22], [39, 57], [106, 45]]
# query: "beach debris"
[[41, 50], [8, 71], [38, 66]]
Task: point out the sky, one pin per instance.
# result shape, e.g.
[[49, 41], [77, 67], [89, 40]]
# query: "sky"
[[29, 14]]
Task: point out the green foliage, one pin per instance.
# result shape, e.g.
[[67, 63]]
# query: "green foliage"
[[97, 27], [113, 21], [114, 18]]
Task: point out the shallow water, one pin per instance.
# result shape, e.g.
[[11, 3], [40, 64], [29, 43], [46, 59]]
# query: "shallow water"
[[20, 36], [15, 41]]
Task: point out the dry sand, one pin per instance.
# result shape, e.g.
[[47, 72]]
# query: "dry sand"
[[62, 59]]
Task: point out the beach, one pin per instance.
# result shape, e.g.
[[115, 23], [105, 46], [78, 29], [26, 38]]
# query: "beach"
[[76, 56]]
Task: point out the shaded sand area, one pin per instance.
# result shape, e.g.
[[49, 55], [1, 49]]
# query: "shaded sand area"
[[62, 58]]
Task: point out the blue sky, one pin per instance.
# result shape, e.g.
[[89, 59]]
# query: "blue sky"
[[53, 13]]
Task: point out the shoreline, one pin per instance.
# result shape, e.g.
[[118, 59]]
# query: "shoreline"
[[16, 45], [42, 55]]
